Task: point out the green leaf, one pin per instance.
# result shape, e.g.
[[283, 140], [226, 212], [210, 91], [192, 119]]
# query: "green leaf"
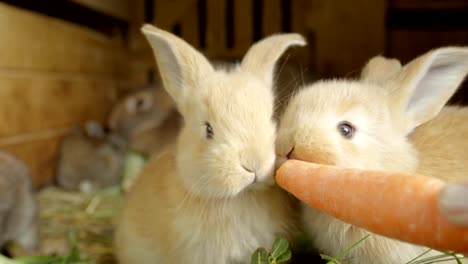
[[284, 257], [280, 246], [260, 256]]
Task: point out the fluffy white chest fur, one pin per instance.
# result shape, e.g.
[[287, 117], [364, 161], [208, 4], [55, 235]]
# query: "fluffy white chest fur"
[[227, 231], [162, 223]]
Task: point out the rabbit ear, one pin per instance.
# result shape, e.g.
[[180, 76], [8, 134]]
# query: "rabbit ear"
[[180, 65], [424, 85], [379, 69], [262, 56]]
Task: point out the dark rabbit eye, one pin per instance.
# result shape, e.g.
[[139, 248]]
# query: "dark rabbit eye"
[[346, 129], [139, 103], [209, 130]]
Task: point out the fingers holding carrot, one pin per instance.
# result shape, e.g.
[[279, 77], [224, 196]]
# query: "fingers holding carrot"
[[453, 203]]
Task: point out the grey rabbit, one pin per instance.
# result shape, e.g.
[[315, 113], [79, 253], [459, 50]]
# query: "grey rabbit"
[[91, 159], [19, 213]]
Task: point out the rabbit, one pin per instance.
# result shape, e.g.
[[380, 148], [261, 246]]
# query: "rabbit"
[[91, 159], [212, 198], [380, 69], [19, 212], [392, 120], [147, 119]]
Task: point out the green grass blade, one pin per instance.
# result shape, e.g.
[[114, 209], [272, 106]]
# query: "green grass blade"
[[345, 252], [37, 260], [434, 258], [424, 253]]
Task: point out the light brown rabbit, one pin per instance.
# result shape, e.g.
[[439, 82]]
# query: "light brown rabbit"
[[90, 159], [147, 119], [394, 122], [212, 199], [19, 213]]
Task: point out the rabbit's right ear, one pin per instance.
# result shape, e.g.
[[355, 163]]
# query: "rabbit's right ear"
[[423, 86], [379, 69], [261, 58], [180, 65]]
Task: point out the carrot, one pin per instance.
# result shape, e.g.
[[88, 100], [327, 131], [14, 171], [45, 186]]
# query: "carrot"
[[397, 205]]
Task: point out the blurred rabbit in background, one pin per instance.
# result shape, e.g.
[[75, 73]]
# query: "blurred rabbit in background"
[[19, 217], [90, 159]]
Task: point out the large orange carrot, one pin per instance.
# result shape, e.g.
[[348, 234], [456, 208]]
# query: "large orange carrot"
[[398, 205]]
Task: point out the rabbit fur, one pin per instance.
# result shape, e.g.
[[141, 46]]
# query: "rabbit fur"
[[90, 159], [147, 119], [19, 212], [398, 122], [212, 198]]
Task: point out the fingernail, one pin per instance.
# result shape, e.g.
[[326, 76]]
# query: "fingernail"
[[453, 203]]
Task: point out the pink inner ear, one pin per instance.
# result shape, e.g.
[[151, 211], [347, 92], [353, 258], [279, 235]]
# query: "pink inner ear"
[[433, 88], [429, 84]]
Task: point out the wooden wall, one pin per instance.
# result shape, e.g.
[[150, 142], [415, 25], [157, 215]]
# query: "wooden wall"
[[54, 75]]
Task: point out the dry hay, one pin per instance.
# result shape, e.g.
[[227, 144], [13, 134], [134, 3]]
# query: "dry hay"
[[89, 216]]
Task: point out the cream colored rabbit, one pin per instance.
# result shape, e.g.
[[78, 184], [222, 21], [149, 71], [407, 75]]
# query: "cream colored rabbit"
[[367, 124], [213, 199]]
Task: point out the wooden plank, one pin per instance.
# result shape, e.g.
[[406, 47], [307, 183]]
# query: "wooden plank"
[[407, 45], [40, 156], [304, 55], [347, 34], [243, 25], [272, 17], [190, 26], [216, 43], [431, 4], [137, 42], [115, 8], [30, 103], [168, 13], [34, 41]]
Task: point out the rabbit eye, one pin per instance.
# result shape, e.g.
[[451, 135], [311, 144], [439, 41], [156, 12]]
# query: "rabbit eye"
[[209, 130], [346, 129], [140, 103]]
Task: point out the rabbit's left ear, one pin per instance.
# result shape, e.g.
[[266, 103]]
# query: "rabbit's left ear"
[[181, 66], [261, 58], [423, 86]]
